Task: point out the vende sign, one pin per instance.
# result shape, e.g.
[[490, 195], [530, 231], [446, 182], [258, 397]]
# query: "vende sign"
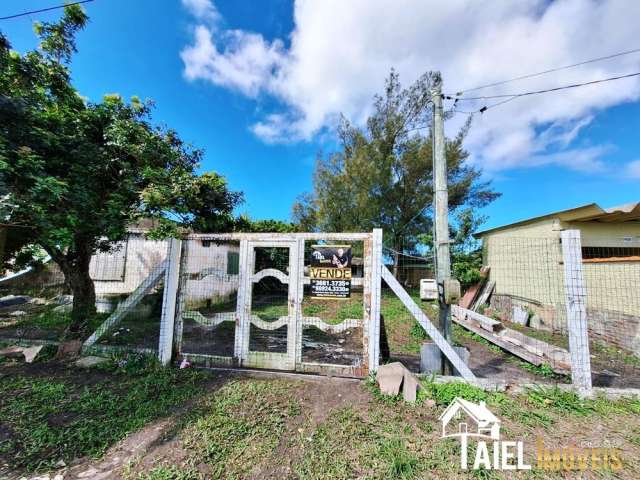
[[330, 271]]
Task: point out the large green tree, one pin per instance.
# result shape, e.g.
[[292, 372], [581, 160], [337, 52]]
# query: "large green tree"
[[381, 176], [76, 173]]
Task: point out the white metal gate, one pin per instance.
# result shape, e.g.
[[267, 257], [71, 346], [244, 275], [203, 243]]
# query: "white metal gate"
[[261, 315]]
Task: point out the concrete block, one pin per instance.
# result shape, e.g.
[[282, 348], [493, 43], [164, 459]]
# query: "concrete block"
[[519, 315], [91, 361], [431, 358]]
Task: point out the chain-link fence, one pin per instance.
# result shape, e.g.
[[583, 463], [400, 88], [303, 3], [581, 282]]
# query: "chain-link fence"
[[544, 310], [37, 302]]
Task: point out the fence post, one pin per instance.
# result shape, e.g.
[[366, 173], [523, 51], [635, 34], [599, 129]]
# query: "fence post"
[[575, 300], [171, 278], [376, 288]]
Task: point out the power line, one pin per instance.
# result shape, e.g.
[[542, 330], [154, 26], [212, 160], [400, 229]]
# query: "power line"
[[484, 108], [24, 14], [531, 75], [536, 92]]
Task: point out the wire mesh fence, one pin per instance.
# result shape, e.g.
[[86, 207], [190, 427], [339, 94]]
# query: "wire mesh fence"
[[37, 303], [209, 279], [499, 326], [34, 303], [612, 281], [332, 328], [542, 309]]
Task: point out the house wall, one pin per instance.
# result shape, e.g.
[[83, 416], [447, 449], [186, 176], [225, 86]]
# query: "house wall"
[[613, 288], [142, 257], [217, 286], [526, 264]]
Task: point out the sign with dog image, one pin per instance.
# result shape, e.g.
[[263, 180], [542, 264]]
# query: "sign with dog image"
[[330, 271]]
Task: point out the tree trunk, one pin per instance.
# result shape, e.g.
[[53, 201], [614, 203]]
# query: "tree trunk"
[[84, 302], [76, 273], [396, 261]]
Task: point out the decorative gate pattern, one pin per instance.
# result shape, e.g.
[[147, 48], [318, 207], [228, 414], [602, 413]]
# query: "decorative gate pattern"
[[244, 300]]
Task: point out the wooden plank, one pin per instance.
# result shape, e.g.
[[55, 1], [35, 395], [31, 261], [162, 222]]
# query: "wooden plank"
[[169, 297], [484, 296], [472, 293], [575, 300], [270, 272], [346, 324], [298, 301], [132, 300], [482, 321], [367, 247], [424, 321], [270, 237], [242, 324], [530, 349]]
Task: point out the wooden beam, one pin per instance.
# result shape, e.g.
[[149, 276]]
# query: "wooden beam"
[[424, 321], [132, 300], [527, 348], [575, 299], [167, 321]]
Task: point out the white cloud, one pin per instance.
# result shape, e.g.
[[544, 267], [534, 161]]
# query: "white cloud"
[[203, 10], [633, 169], [341, 52], [247, 62]]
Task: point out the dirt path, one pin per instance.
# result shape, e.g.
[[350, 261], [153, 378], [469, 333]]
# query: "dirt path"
[[159, 443]]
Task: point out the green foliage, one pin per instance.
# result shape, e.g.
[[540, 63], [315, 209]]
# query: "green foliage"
[[466, 252], [244, 224], [382, 174], [52, 420], [444, 393], [168, 472], [554, 397], [243, 422], [333, 445], [401, 462], [544, 370], [77, 173], [418, 332]]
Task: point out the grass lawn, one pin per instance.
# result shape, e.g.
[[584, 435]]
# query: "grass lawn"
[[137, 422]]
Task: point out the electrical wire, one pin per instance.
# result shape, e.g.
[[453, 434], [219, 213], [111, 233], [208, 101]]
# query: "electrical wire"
[[557, 69], [24, 14], [536, 92]]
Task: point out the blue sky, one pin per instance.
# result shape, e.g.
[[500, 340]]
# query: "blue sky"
[[262, 122]]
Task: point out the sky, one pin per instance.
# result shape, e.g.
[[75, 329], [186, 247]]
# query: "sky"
[[260, 85]]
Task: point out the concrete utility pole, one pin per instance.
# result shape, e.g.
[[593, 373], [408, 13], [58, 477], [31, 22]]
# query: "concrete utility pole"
[[441, 212]]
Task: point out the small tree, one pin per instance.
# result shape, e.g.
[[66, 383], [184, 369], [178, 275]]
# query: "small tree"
[[77, 173], [382, 174]]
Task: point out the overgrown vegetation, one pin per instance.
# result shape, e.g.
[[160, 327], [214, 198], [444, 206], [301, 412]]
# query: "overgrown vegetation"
[[62, 419], [249, 428]]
